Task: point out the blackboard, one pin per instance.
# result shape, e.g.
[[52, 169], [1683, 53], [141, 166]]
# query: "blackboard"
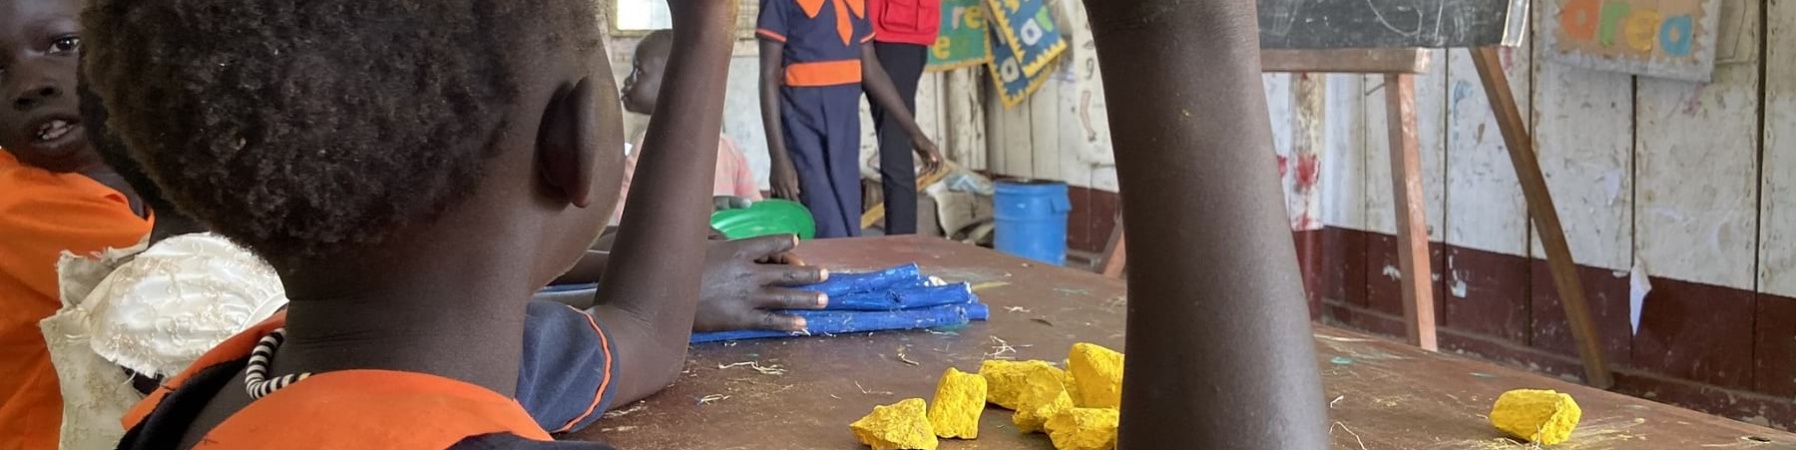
[[1325, 24]]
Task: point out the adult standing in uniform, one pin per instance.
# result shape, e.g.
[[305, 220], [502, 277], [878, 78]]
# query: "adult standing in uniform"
[[816, 58], [903, 32]]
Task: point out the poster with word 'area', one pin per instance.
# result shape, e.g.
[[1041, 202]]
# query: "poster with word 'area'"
[[1657, 38]]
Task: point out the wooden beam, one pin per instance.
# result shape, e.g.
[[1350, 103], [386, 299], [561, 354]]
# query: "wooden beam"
[[1412, 220], [1116, 252], [1541, 209], [877, 212], [1366, 60]]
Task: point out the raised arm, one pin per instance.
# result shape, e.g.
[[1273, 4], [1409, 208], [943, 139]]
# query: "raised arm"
[[1220, 350], [652, 288], [879, 86]]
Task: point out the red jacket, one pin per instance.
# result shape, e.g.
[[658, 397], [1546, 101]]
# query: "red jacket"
[[905, 21]]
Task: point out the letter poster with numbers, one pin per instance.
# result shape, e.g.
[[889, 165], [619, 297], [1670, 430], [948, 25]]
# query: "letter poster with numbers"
[[1674, 39], [1013, 83], [964, 41], [1027, 28]]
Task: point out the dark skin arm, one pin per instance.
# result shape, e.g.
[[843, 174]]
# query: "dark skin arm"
[[1190, 117], [651, 294], [782, 177], [742, 289], [746, 280], [879, 87]]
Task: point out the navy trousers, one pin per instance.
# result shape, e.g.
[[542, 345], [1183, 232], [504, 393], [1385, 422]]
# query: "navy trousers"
[[822, 126]]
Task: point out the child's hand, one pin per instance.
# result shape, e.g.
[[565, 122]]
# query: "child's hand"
[[740, 291], [932, 158], [729, 202], [784, 181]]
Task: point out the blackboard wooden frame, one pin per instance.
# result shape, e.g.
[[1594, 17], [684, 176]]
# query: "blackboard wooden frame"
[[1329, 24]]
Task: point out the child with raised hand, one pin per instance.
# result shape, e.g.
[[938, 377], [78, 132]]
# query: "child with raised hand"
[[55, 196], [734, 179], [413, 171]]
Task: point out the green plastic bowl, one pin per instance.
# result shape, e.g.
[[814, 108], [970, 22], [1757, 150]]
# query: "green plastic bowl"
[[766, 217]]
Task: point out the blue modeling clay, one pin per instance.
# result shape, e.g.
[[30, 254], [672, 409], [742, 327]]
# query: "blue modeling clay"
[[903, 298], [841, 322], [840, 284]]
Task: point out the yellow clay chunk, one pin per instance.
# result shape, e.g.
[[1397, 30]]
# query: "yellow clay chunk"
[[959, 399], [1541, 416], [1072, 387], [1097, 374], [1004, 380], [1084, 429], [898, 426], [1041, 398]]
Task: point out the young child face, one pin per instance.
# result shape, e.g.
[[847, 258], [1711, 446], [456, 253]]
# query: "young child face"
[[644, 83], [40, 49]]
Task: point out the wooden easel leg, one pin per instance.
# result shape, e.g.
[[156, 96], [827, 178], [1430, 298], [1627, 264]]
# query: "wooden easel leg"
[[1546, 218], [1116, 252], [1412, 222]]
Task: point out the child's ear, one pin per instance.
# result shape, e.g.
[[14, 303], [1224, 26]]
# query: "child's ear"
[[568, 143]]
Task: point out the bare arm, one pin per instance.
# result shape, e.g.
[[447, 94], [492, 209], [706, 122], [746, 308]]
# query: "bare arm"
[[1191, 118], [783, 178], [589, 270], [651, 292], [879, 87]]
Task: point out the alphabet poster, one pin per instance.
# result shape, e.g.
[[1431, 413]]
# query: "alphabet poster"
[[1656, 38], [1028, 29], [1014, 84], [963, 41]]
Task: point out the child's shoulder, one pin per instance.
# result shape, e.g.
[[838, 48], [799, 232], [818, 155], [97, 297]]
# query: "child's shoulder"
[[207, 286], [728, 146], [44, 214], [24, 186], [350, 409]]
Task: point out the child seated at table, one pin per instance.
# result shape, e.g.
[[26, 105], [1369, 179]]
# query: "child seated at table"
[[733, 179], [154, 308], [132, 316], [54, 198], [413, 171]]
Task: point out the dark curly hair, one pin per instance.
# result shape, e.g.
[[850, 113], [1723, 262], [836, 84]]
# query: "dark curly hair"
[[296, 127], [111, 150]]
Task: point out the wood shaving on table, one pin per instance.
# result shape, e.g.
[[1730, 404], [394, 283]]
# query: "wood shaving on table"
[[857, 385], [638, 407], [905, 359], [1362, 443], [773, 369]]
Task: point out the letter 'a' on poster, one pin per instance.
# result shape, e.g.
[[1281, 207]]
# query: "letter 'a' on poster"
[[1007, 73], [1027, 28]]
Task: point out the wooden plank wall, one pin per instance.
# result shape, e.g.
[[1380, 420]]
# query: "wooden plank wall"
[[1688, 184], [1666, 167], [1777, 219], [1777, 273]]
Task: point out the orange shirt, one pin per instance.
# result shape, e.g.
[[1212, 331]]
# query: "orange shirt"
[[357, 409], [43, 214]]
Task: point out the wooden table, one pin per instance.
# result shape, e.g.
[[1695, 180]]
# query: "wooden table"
[[1383, 394]]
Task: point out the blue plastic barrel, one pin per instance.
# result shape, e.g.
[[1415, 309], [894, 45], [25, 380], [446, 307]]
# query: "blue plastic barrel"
[[1031, 219]]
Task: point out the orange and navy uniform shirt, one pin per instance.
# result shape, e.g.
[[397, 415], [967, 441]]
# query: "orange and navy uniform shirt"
[[43, 214], [564, 384], [822, 39]]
